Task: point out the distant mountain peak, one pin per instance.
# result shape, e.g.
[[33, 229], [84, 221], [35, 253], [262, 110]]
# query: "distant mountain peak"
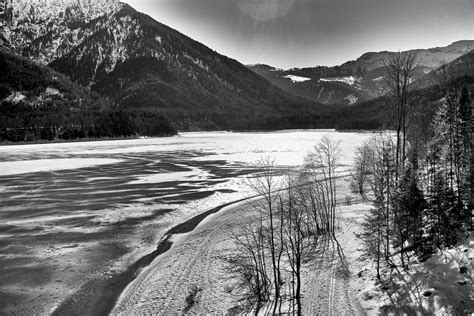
[[462, 43]]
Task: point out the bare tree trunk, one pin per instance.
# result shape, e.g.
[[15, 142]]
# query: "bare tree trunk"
[[400, 71]]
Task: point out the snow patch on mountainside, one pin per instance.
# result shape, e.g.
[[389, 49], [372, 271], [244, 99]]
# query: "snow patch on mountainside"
[[15, 97], [295, 79], [350, 80], [196, 61], [351, 98]]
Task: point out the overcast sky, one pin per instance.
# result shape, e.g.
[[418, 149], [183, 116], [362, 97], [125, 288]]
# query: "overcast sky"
[[298, 33]]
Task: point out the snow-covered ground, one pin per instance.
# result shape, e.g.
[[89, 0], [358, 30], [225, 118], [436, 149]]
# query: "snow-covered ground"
[[72, 212], [196, 259]]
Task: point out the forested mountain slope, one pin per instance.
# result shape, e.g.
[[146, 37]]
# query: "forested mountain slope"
[[358, 80], [425, 98], [38, 103]]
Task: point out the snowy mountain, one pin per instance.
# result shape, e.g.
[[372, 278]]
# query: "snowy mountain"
[[138, 62], [48, 29], [358, 80]]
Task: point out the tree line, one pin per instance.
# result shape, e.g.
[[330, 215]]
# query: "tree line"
[[50, 121], [420, 176], [39, 104]]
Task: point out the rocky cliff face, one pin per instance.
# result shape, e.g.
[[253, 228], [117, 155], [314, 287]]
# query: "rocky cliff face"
[[47, 29]]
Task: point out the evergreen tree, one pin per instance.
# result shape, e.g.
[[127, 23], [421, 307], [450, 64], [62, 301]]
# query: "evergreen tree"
[[466, 154], [373, 236], [409, 204]]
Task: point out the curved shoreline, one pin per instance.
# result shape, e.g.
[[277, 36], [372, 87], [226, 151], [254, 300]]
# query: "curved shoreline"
[[98, 297]]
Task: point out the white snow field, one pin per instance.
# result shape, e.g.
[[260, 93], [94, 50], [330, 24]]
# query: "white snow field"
[[350, 80], [295, 79], [75, 213]]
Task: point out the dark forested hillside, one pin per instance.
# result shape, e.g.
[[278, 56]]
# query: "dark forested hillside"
[[376, 114], [425, 98], [37, 103], [22, 74]]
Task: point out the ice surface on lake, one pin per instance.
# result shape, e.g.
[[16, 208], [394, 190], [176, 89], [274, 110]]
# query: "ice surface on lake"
[[189, 173], [194, 164], [37, 165], [286, 147], [163, 177]]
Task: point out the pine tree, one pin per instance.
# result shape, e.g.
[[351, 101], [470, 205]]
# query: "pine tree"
[[382, 169], [409, 205], [373, 236], [466, 155], [450, 161]]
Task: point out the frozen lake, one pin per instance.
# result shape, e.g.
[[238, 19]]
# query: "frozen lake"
[[74, 212]]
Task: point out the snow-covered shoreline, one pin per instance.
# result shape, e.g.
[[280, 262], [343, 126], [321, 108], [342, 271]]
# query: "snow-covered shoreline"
[[103, 217]]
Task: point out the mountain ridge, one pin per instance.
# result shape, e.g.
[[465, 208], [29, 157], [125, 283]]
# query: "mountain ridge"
[[139, 63], [357, 80], [136, 62]]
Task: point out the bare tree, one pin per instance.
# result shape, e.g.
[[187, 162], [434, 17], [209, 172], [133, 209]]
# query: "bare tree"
[[249, 263], [320, 165], [290, 221], [267, 186], [297, 236], [361, 168], [399, 80]]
